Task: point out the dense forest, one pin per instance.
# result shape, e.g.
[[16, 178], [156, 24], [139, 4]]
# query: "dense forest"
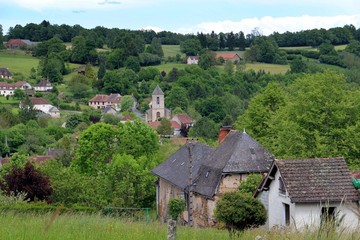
[[312, 110]]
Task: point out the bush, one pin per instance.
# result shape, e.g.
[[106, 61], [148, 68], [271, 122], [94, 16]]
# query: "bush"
[[240, 211], [310, 54], [250, 184], [176, 207]]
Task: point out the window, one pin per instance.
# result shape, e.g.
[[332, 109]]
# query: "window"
[[157, 100], [281, 186], [328, 215], [287, 214], [157, 114]]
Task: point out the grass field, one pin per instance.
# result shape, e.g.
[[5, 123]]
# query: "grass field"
[[51, 226], [271, 68], [171, 50], [18, 62]]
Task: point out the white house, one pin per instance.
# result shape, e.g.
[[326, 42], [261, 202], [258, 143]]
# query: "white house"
[[9, 88], [305, 193], [44, 106], [43, 86], [192, 60]]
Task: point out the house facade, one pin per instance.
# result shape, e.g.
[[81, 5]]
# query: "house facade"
[[43, 86], [306, 193], [157, 107], [7, 89], [215, 171], [5, 73], [192, 60], [102, 101]]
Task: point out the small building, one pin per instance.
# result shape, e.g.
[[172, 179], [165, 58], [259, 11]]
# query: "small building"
[[233, 57], [157, 107], [185, 122], [5, 73], [43, 86], [305, 193], [44, 106], [9, 88], [102, 101], [18, 43], [176, 127], [215, 171], [192, 60], [109, 110]]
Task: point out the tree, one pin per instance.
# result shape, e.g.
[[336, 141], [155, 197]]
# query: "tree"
[[80, 86], [19, 94], [27, 111], [190, 47], [137, 139], [1, 38], [122, 81], [206, 60], [177, 97], [242, 41], [126, 103], [96, 147], [204, 128], [298, 66], [155, 47], [165, 127], [240, 211], [230, 41], [133, 63], [79, 50], [250, 184], [27, 180]]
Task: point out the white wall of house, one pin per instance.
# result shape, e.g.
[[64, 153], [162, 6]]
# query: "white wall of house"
[[302, 215]]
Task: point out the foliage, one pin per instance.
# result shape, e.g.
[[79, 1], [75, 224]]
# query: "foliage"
[[176, 207], [240, 211], [165, 127], [120, 81], [137, 139], [80, 86], [126, 103], [27, 111], [96, 147], [250, 184], [27, 180], [190, 47]]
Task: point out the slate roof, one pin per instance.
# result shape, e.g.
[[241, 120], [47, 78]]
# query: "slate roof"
[[5, 72], [238, 153], [316, 179], [157, 91], [112, 98], [176, 170], [44, 83]]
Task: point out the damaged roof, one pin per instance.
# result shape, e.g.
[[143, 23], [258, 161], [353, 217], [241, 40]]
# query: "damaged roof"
[[176, 169]]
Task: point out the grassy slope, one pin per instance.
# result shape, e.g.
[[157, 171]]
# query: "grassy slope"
[[18, 62]]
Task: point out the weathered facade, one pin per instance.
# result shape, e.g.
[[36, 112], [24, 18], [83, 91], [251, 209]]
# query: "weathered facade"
[[215, 171]]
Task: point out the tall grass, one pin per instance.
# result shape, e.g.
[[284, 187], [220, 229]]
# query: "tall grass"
[[89, 227]]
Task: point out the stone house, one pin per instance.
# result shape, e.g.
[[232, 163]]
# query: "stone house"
[[5, 73], [305, 193], [102, 101], [215, 171]]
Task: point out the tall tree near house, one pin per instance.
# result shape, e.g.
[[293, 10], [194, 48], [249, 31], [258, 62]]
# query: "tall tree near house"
[[2, 46], [96, 147], [27, 111], [213, 41], [79, 50], [202, 39], [190, 47], [165, 127], [241, 41], [222, 43]]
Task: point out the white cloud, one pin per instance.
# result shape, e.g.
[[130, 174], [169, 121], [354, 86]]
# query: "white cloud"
[[155, 29], [268, 25]]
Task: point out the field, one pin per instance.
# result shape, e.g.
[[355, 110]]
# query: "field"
[[171, 50], [271, 68], [90, 227], [17, 62]]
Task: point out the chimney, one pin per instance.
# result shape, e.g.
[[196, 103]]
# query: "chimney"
[[223, 132]]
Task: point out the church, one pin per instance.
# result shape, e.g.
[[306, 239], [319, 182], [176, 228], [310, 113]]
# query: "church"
[[157, 107]]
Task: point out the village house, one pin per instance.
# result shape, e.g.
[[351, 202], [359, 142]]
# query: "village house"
[[176, 127], [157, 107], [44, 106], [9, 88], [185, 122], [43, 86], [305, 193], [5, 73], [102, 101], [192, 60], [233, 57], [18, 43], [215, 171]]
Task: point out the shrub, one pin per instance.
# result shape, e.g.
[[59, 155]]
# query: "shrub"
[[176, 206], [240, 211], [250, 184]]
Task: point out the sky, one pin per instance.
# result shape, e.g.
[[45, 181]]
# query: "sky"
[[185, 16]]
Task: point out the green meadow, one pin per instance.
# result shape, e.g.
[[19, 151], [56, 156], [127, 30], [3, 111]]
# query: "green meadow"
[[18, 62]]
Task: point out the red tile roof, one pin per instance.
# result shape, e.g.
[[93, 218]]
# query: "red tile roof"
[[39, 101], [227, 55], [184, 118], [11, 85], [156, 124]]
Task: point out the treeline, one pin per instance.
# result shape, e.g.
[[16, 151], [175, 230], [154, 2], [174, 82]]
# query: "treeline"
[[233, 40]]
